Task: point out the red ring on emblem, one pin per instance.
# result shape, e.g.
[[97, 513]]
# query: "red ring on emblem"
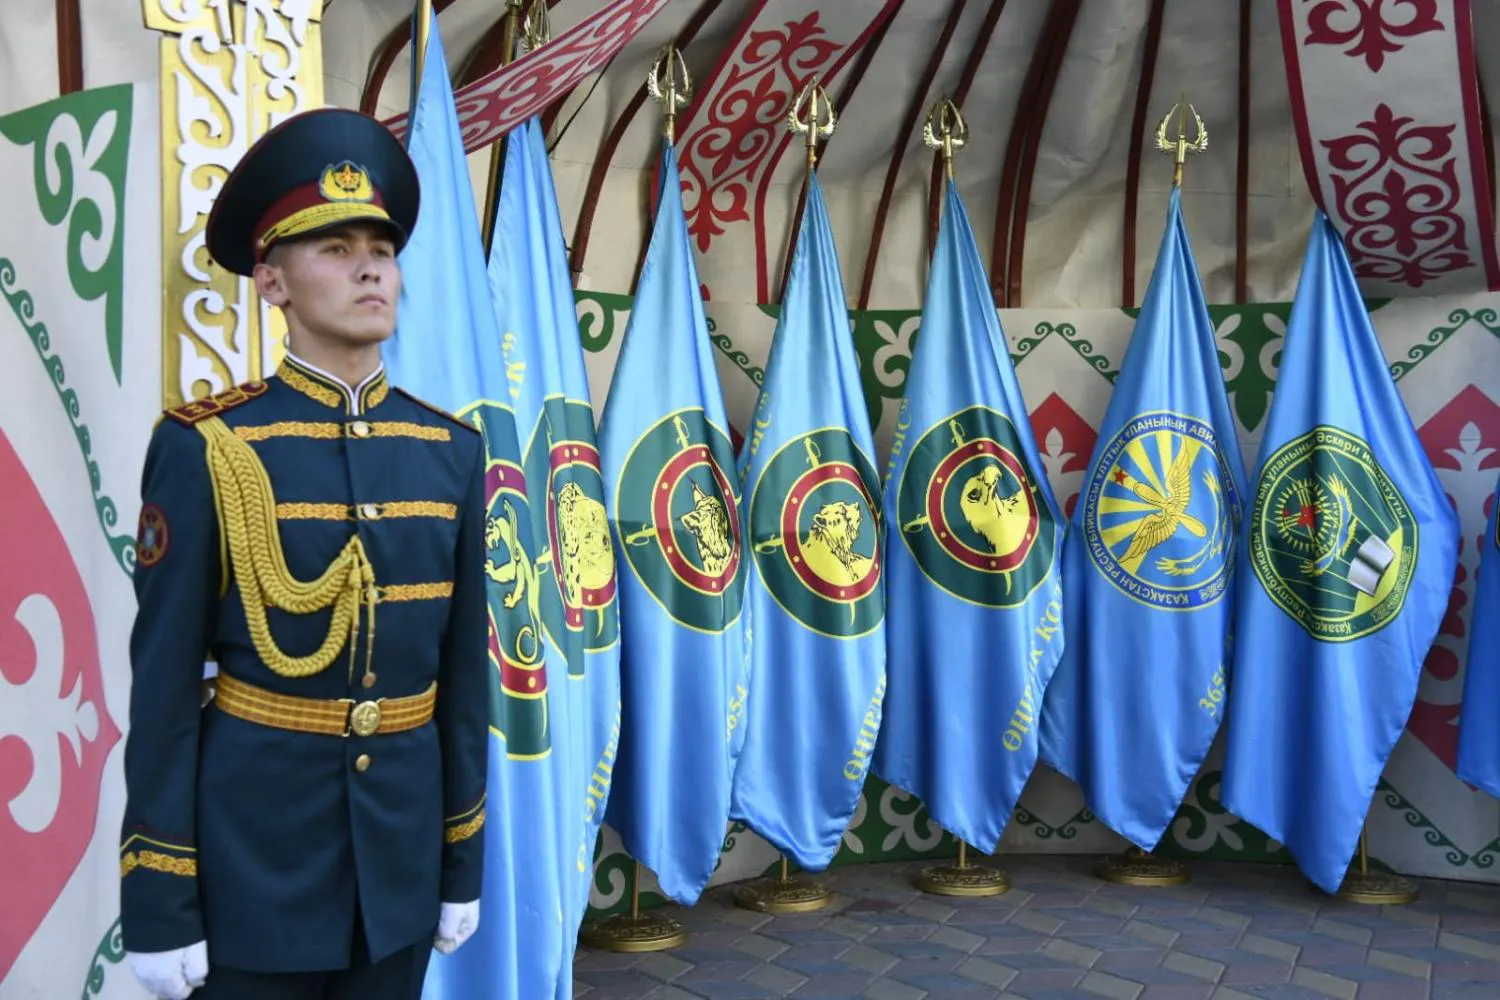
[[661, 515], [942, 476], [791, 510], [152, 536]]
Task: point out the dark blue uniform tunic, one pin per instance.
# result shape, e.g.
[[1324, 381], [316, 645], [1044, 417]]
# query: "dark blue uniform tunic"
[[267, 842]]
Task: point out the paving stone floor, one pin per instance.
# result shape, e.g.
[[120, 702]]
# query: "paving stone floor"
[[1235, 931]]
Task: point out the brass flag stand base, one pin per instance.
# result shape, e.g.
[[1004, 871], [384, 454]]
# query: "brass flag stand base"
[[635, 931], [963, 879], [782, 894], [1136, 867], [1375, 888]]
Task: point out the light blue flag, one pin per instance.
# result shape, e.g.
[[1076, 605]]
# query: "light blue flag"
[[1352, 547], [974, 539], [670, 466], [447, 350], [1149, 567], [816, 593], [1479, 718], [574, 563]]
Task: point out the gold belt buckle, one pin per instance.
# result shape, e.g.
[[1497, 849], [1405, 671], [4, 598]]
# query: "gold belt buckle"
[[364, 718]]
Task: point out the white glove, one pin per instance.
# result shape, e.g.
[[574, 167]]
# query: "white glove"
[[456, 922], [171, 975]]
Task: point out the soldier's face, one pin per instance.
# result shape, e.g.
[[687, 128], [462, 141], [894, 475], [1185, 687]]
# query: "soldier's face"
[[340, 286]]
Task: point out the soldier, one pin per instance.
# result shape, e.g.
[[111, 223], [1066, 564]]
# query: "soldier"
[[314, 830]]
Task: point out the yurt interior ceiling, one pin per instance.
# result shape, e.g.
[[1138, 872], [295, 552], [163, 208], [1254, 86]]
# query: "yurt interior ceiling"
[[1062, 99]]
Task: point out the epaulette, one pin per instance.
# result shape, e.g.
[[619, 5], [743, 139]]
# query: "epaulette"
[[436, 409], [189, 414]]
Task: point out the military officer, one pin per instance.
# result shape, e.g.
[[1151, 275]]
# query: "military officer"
[[314, 830]]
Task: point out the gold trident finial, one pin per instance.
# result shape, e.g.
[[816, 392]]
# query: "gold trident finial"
[[1181, 147], [815, 126], [662, 85], [536, 27], [945, 130]]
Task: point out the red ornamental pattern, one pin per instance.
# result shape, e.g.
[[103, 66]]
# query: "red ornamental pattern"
[[1371, 25], [495, 104], [55, 729], [723, 156], [1396, 192]]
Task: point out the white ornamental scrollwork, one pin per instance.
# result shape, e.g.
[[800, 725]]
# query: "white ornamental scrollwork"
[[234, 69]]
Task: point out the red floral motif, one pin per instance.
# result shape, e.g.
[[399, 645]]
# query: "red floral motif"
[[1462, 440], [55, 730], [1366, 23], [723, 153], [1066, 443], [493, 105], [1395, 185]]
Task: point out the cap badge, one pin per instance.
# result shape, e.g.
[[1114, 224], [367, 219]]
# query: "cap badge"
[[346, 182]]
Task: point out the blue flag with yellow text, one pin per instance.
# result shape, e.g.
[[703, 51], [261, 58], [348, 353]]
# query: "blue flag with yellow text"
[[974, 540], [1149, 568], [1352, 547], [1479, 716], [573, 564], [447, 351], [670, 468], [816, 594]]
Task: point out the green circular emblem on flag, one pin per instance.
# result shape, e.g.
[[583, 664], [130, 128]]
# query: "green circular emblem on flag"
[[814, 527], [1332, 540], [573, 530], [1160, 512], [970, 512], [518, 676], [678, 516]]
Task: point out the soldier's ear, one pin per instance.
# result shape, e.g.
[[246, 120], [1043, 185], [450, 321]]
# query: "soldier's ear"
[[269, 283]]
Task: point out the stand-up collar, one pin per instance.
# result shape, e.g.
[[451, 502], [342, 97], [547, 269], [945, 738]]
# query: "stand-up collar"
[[332, 391]]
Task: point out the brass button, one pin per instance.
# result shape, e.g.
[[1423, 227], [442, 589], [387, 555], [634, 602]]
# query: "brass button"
[[362, 762], [359, 429], [368, 680], [369, 511]]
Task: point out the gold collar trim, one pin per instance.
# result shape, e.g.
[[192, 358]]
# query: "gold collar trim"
[[332, 391]]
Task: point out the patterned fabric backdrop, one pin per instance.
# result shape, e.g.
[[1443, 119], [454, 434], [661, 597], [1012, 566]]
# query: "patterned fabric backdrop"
[[83, 369]]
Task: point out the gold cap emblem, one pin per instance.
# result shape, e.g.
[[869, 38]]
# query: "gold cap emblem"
[[346, 182]]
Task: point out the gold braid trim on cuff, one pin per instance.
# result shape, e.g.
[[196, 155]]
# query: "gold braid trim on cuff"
[[462, 832], [158, 862], [247, 519]]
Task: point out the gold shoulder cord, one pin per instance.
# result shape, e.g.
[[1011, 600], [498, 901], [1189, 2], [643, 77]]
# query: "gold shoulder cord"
[[247, 518]]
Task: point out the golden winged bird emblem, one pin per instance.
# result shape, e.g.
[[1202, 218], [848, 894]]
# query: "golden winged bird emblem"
[[1171, 510]]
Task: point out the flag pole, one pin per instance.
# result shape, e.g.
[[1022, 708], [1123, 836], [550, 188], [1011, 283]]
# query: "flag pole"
[[821, 120], [497, 148], [946, 132], [419, 50], [635, 932], [784, 892], [1135, 866], [1361, 885]]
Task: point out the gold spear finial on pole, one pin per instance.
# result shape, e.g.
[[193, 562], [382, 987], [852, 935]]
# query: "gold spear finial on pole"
[[419, 51], [662, 85], [820, 121], [1181, 146], [945, 131], [536, 26]]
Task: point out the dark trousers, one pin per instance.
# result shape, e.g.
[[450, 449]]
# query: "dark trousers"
[[395, 977]]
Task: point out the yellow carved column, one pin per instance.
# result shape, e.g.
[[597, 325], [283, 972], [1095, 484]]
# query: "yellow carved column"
[[230, 70]]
